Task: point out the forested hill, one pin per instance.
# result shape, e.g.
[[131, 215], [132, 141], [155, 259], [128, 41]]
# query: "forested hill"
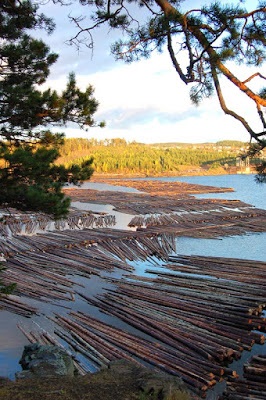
[[118, 156]]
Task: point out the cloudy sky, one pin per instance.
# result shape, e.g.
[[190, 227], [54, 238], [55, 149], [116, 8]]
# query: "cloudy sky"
[[143, 101]]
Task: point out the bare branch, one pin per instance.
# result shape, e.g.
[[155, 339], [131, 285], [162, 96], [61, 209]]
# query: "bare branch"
[[174, 60], [262, 118], [250, 14], [253, 76], [227, 110], [149, 8], [241, 86]]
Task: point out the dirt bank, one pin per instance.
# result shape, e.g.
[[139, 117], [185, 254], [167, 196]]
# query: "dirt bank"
[[122, 381]]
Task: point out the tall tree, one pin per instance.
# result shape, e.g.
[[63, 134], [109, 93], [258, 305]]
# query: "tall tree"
[[29, 179], [202, 44]]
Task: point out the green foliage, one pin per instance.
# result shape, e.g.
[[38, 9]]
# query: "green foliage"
[[75, 105], [261, 169], [263, 93], [215, 32], [253, 152], [232, 143], [33, 182], [29, 178], [118, 156]]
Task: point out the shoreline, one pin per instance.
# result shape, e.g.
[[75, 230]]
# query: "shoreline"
[[186, 173]]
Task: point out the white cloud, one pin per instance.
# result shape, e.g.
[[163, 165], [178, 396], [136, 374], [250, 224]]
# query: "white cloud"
[[146, 101]]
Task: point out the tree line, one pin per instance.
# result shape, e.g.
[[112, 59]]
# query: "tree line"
[[118, 156]]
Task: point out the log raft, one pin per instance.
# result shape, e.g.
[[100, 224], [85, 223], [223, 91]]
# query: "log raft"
[[197, 314], [188, 324], [253, 383]]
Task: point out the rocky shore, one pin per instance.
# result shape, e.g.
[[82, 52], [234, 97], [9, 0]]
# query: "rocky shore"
[[49, 374]]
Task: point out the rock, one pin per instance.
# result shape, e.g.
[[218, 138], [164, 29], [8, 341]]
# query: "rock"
[[39, 361]]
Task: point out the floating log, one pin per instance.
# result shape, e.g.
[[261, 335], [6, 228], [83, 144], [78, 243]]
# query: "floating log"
[[199, 313], [253, 384], [43, 337], [13, 304]]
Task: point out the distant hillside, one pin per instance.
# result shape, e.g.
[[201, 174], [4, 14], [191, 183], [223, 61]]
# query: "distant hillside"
[[116, 156], [233, 143], [223, 143]]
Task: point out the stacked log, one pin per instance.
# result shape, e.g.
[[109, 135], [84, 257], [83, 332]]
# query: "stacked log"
[[39, 265], [248, 271], [205, 321], [163, 210], [28, 224], [102, 343], [191, 319], [15, 305], [171, 188], [87, 239], [252, 385], [190, 322], [154, 203], [209, 225]]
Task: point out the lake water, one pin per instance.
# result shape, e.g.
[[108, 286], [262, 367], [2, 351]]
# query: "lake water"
[[245, 187], [250, 246]]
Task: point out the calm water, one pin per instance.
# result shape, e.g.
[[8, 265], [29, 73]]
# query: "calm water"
[[250, 246], [245, 187]]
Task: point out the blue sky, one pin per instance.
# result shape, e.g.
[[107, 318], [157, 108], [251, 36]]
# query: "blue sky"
[[144, 101]]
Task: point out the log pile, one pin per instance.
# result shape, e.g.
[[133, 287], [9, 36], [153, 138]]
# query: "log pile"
[[159, 212], [190, 320], [207, 225], [159, 187], [239, 270], [39, 265], [88, 240], [206, 322], [114, 343], [146, 203], [19, 223], [252, 385], [17, 306], [222, 330], [84, 238]]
